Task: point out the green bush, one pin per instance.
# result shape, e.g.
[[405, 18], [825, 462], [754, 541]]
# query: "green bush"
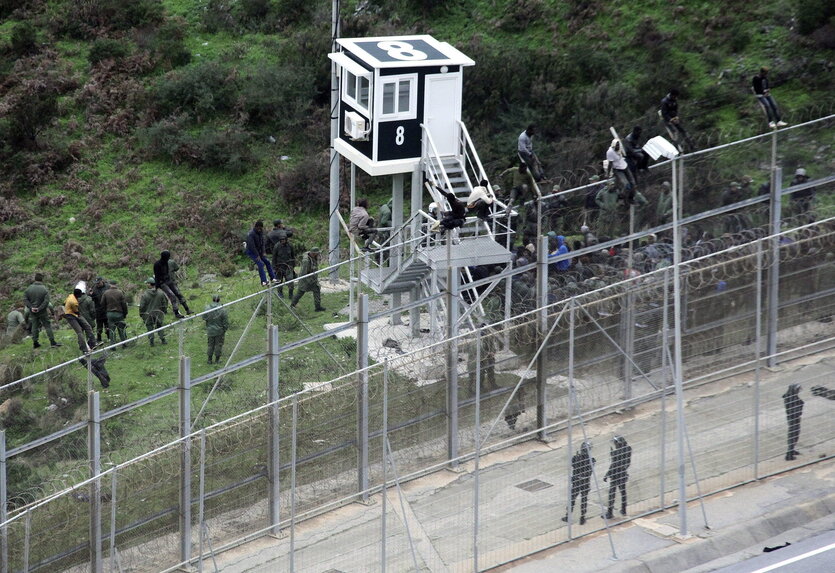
[[306, 186], [202, 91], [225, 150], [278, 96], [812, 14], [24, 40], [107, 49], [82, 19], [169, 44]]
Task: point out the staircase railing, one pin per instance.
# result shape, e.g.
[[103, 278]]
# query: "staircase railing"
[[433, 167]]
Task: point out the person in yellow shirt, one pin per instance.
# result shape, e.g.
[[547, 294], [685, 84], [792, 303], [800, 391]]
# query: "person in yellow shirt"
[[77, 322]]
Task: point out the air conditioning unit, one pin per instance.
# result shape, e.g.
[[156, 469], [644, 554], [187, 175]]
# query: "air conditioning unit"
[[355, 126]]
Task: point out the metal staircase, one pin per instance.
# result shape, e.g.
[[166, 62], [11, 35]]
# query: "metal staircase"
[[412, 252]]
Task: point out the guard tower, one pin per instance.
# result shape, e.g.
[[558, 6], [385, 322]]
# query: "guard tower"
[[399, 115]]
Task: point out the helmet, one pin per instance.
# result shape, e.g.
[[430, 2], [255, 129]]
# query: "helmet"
[[433, 207], [800, 172], [82, 286]]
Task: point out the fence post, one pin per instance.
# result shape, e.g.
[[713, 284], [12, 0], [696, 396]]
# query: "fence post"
[[542, 328], [4, 495], [452, 360], [774, 267], [185, 460], [94, 456], [362, 398], [274, 461], [758, 350]]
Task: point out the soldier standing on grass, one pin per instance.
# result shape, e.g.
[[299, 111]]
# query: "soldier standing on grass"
[[36, 299], [794, 409], [87, 309], [284, 259], [152, 308], [101, 313], [309, 281], [117, 311], [581, 470], [15, 321], [217, 323]]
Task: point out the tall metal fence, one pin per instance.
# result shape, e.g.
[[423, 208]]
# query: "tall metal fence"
[[237, 457]]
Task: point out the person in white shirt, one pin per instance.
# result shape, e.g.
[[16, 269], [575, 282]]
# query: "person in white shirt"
[[481, 200], [623, 177]]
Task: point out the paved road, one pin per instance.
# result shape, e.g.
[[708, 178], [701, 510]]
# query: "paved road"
[[522, 493]]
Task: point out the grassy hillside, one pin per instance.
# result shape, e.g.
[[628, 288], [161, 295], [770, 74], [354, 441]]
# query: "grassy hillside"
[[128, 128]]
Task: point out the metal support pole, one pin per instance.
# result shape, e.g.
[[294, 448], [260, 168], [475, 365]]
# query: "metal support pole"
[[4, 500], [677, 360], [452, 359], [665, 341], [362, 398], [201, 513], [113, 504], [758, 358], [94, 453], [542, 329], [185, 460], [627, 326], [293, 437], [274, 459], [774, 267], [477, 428], [333, 221], [414, 313], [384, 499], [570, 417], [396, 254]]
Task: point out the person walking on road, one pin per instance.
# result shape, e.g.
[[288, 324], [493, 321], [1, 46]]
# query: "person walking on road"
[[582, 465], [36, 300], [621, 458], [794, 409]]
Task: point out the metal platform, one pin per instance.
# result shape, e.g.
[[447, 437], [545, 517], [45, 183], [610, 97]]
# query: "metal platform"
[[471, 251]]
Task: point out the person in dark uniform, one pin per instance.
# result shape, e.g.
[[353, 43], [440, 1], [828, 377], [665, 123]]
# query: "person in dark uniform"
[[581, 469], [101, 312], [794, 409], [284, 260], [39, 310], [217, 323], [621, 457]]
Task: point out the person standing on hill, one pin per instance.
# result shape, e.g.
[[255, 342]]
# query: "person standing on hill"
[[309, 281], [173, 267], [284, 259], [87, 308], [153, 305], [117, 311], [36, 300], [621, 458], [217, 323], [164, 282], [83, 330], [278, 231], [101, 314], [762, 92], [15, 321], [256, 250]]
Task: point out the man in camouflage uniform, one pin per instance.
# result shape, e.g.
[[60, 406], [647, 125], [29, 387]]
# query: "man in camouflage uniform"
[[117, 311], [38, 307], [101, 313], [153, 304], [217, 323], [310, 280], [284, 259]]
